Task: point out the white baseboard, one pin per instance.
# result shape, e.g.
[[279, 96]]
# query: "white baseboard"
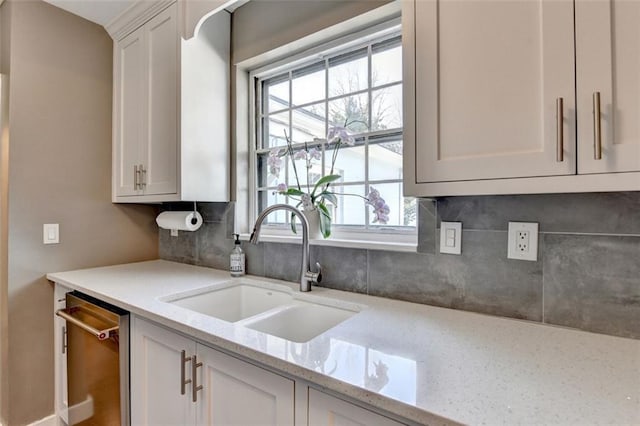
[[78, 412], [81, 411], [47, 421]]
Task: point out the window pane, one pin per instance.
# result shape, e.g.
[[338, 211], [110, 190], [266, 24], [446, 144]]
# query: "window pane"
[[385, 160], [276, 93], [402, 210], [268, 198], [387, 108], [274, 130], [309, 123], [308, 168], [309, 84], [350, 209], [349, 163], [386, 63], [266, 177], [348, 73], [351, 112]]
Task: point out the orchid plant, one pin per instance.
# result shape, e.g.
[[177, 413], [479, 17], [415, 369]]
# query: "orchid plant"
[[319, 195]]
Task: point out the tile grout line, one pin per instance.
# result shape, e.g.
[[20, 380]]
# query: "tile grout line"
[[543, 248], [567, 233], [367, 272]]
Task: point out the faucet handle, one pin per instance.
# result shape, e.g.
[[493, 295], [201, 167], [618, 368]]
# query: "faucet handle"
[[314, 277]]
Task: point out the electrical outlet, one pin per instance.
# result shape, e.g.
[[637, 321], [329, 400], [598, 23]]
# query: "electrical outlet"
[[523, 241]]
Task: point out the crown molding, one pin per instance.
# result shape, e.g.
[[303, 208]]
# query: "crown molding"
[[134, 17]]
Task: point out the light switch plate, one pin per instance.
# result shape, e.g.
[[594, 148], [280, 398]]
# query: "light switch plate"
[[50, 233], [523, 241], [451, 237]]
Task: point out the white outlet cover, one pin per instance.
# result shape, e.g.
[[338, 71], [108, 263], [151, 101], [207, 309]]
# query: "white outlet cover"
[[512, 247], [451, 237]]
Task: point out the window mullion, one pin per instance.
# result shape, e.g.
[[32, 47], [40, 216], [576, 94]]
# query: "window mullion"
[[367, 225], [290, 131], [326, 113]]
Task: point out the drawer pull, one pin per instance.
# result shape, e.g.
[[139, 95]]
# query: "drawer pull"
[[194, 378], [559, 130], [183, 381], [597, 128]]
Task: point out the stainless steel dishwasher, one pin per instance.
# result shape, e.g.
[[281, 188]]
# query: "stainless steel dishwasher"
[[97, 350]]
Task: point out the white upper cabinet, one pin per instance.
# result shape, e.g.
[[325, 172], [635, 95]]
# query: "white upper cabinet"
[[608, 63], [490, 96], [488, 76], [129, 112], [160, 147], [171, 111]]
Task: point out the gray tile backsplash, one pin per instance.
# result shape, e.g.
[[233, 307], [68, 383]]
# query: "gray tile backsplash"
[[593, 283], [605, 213], [587, 275]]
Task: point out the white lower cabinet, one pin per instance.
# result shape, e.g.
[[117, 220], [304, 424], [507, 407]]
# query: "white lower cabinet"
[[158, 396], [326, 410], [60, 355], [200, 385]]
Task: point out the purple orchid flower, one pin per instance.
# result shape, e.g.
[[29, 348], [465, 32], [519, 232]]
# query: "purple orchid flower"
[[340, 134], [274, 162], [381, 209]]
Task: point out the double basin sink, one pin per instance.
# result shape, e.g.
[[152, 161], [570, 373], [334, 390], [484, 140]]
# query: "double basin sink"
[[269, 308]]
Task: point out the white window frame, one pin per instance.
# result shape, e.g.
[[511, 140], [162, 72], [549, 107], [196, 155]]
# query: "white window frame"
[[387, 238]]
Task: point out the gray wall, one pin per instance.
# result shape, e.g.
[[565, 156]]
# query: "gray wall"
[[59, 172], [587, 275], [262, 25]]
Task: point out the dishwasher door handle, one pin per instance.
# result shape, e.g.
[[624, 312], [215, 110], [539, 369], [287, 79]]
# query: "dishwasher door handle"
[[100, 334]]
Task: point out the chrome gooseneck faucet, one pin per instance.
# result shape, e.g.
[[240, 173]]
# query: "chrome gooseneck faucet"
[[307, 277]]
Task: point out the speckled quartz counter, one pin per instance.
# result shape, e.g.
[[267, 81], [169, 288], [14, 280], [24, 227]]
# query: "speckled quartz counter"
[[426, 364]]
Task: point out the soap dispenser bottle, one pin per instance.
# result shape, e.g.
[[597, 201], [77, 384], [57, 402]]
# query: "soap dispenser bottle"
[[237, 259]]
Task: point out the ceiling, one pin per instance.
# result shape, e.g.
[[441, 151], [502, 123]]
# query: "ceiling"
[[99, 11]]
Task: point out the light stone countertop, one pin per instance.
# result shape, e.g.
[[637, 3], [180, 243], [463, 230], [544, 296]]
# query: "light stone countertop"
[[442, 365]]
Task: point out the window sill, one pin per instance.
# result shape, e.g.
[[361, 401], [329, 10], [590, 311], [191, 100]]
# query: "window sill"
[[337, 242]]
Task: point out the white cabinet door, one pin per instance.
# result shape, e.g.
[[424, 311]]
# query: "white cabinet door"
[[488, 74], [325, 410], [129, 111], [608, 62], [160, 155], [60, 354], [156, 365], [235, 393]]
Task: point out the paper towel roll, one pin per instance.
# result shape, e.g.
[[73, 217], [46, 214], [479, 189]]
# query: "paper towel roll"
[[181, 221]]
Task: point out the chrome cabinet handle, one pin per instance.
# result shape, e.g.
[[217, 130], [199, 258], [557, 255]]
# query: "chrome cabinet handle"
[[559, 130], [143, 177], [64, 340], [136, 177], [194, 378], [597, 128], [183, 383]]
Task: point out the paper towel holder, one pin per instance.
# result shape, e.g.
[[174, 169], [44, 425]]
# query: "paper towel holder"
[[194, 219]]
